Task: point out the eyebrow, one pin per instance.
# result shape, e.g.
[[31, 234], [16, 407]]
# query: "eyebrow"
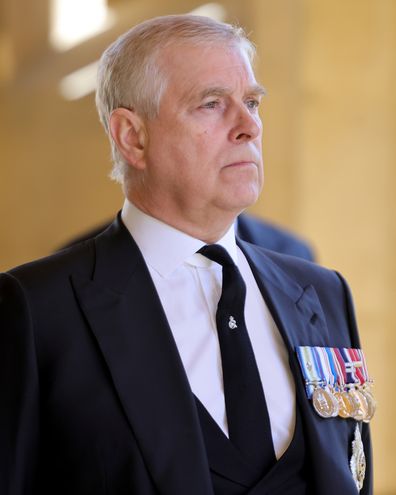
[[255, 90]]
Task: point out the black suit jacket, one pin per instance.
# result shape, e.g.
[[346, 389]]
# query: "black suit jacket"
[[95, 399]]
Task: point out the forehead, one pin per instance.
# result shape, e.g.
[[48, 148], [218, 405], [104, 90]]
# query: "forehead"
[[192, 68]]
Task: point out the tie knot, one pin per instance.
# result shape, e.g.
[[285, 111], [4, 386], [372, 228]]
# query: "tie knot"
[[217, 253]]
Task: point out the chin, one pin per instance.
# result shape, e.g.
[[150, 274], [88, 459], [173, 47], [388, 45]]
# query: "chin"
[[246, 196], [239, 194], [240, 203]]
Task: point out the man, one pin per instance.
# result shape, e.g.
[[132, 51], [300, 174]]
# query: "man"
[[118, 373]]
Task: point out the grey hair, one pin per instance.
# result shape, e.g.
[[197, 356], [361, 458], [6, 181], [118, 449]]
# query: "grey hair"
[[130, 76]]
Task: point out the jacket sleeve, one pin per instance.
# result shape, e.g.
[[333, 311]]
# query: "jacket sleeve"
[[19, 391]]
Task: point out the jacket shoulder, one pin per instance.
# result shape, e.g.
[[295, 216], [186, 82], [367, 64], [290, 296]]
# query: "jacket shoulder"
[[303, 271], [44, 271], [270, 236]]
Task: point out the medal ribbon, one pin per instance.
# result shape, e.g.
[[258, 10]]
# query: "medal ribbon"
[[330, 359], [309, 368], [340, 374], [358, 366], [352, 377], [324, 366], [319, 364], [341, 363], [364, 369]]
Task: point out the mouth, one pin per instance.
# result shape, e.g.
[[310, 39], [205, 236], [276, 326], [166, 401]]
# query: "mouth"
[[241, 164]]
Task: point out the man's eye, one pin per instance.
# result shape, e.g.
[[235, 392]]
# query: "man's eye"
[[252, 104], [210, 104]]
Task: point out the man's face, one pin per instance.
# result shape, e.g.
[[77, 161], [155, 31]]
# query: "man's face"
[[203, 153]]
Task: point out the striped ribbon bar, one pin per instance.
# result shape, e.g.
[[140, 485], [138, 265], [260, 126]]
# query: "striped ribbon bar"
[[332, 367]]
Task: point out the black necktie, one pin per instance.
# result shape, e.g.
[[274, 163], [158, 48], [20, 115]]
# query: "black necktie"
[[247, 414]]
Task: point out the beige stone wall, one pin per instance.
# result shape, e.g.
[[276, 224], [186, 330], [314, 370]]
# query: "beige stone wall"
[[329, 122]]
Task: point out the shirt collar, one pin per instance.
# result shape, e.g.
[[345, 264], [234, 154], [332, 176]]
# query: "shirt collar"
[[163, 247]]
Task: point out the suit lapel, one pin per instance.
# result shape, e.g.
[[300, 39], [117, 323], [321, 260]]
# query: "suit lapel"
[[296, 310], [299, 317], [125, 314]]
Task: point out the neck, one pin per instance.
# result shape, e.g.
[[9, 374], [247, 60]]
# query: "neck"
[[208, 227]]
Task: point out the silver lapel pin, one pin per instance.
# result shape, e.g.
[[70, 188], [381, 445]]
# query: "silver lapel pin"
[[232, 323]]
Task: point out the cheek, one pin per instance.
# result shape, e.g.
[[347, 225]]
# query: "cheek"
[[188, 151], [196, 148]]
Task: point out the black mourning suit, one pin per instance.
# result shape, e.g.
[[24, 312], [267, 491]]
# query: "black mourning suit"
[[95, 399]]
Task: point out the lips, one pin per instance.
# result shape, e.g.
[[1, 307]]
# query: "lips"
[[242, 163]]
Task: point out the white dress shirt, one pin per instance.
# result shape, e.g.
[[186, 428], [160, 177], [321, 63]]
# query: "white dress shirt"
[[189, 287]]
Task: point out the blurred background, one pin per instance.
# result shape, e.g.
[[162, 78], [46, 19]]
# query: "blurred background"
[[329, 141]]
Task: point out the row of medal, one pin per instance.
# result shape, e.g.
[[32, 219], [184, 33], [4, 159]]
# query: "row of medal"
[[338, 382]]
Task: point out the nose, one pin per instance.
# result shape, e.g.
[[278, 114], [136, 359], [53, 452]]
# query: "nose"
[[247, 126]]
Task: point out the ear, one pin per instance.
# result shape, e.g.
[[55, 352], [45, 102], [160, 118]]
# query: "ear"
[[129, 133]]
